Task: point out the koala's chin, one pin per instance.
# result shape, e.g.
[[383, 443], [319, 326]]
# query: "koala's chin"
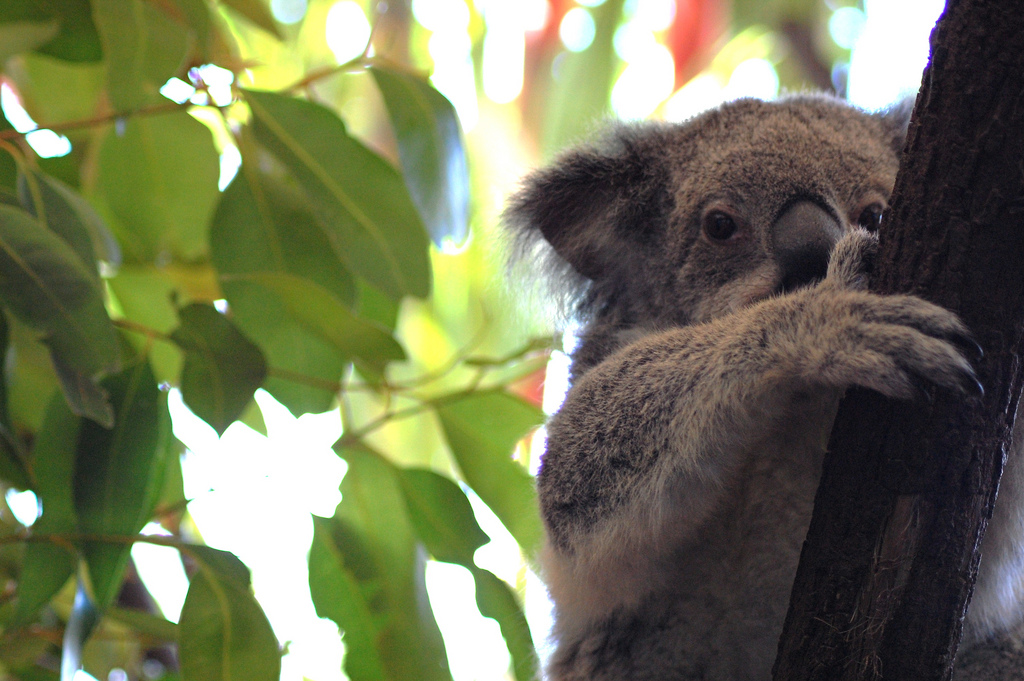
[[718, 271]]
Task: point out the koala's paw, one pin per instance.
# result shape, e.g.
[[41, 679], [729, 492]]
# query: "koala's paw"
[[893, 344], [852, 260]]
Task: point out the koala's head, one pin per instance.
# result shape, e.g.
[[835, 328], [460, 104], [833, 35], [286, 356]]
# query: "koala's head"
[[666, 224]]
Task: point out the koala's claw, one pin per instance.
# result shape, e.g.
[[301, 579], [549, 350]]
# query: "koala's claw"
[[892, 344], [971, 385], [968, 346]]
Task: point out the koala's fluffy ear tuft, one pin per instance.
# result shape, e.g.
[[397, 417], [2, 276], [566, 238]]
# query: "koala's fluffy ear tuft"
[[596, 206], [897, 120]]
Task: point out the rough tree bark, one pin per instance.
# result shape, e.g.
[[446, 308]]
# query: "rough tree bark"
[[892, 551]]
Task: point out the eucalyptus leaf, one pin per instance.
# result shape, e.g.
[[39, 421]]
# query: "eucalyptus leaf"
[[145, 623], [442, 516], [196, 15], [21, 36], [84, 394], [444, 521], [222, 367], [44, 282], [158, 180], [118, 473], [482, 429], [321, 313], [8, 169], [223, 635], [49, 564], [142, 46], [374, 545], [76, 38], [257, 12], [338, 595], [363, 201], [496, 600], [261, 226], [62, 90], [12, 455], [431, 151], [69, 216], [306, 369]]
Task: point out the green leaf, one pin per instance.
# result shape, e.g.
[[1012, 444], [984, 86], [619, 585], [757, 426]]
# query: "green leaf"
[[321, 313], [256, 12], [263, 224], [431, 150], [222, 367], [60, 90], [142, 47], [118, 473], [12, 453], [289, 349], [45, 283], [444, 521], [69, 216], [252, 416], [442, 516], [482, 430], [223, 634], [145, 294], [76, 40], [145, 623], [496, 600], [159, 182], [8, 169], [56, 213], [358, 196], [196, 15], [48, 566], [337, 595], [374, 544], [83, 394], [21, 36]]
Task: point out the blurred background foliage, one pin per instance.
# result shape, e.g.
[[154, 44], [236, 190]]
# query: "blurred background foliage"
[[249, 252]]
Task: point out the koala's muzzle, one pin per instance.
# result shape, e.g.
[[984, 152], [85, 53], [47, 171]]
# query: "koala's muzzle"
[[803, 237]]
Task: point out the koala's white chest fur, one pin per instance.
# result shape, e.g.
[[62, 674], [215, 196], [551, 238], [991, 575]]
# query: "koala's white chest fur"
[[720, 268]]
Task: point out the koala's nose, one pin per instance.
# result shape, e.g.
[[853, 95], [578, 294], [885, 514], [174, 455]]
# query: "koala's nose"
[[803, 238]]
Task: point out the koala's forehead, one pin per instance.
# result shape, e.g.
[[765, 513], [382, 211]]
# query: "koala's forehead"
[[763, 151]]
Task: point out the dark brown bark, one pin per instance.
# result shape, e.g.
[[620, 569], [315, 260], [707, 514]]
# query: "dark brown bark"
[[892, 552]]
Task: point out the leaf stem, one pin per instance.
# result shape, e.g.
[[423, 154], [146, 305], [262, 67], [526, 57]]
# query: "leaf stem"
[[95, 121]]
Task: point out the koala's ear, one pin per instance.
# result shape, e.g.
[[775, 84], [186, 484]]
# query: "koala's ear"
[[598, 206], [896, 120]]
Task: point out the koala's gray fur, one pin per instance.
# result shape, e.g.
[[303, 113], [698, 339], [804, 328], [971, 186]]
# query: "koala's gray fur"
[[680, 473]]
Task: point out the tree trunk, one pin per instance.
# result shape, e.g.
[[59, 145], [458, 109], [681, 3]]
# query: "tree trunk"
[[890, 559]]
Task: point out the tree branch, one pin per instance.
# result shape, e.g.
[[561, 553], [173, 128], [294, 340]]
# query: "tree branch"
[[907, 491]]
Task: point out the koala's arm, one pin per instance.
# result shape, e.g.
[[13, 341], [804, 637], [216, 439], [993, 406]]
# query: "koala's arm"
[[639, 451]]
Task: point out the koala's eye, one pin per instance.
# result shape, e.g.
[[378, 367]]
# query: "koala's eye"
[[871, 217], [719, 226]]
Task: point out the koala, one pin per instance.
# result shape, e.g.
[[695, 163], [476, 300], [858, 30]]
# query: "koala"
[[718, 272]]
